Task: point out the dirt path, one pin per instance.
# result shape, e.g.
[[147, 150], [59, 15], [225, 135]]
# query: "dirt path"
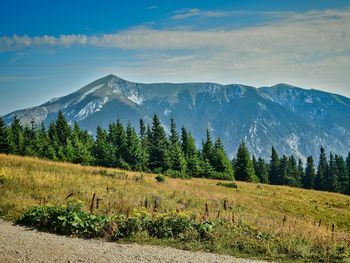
[[20, 244]]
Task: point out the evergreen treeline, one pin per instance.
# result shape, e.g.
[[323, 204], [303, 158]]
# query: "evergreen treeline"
[[176, 154]]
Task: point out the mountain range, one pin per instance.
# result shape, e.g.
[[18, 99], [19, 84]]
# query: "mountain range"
[[294, 120]]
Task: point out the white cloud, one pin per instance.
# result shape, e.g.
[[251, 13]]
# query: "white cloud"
[[310, 49], [307, 33], [197, 13]]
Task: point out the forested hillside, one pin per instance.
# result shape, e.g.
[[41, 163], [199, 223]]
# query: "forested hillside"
[[150, 149]]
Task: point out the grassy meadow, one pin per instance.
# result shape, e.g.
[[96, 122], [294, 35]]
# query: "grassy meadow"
[[263, 221]]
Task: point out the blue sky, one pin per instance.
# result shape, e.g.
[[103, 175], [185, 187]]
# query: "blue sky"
[[51, 48]]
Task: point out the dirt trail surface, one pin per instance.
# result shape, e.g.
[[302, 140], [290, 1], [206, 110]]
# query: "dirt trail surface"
[[20, 244]]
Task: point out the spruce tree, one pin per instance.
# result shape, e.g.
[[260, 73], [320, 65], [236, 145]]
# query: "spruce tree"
[[207, 147], [293, 176], [61, 153], [322, 170], [255, 164], [133, 151], [343, 176], [44, 147], [310, 174], [143, 136], [29, 140], [63, 129], [274, 169], [206, 169], [52, 133], [184, 141], [68, 152], [82, 145], [144, 145], [188, 146], [261, 171], [348, 162], [5, 146], [177, 159], [117, 137], [283, 170], [16, 137], [220, 162], [348, 168], [244, 169], [174, 135], [103, 151], [331, 177], [301, 172], [158, 153]]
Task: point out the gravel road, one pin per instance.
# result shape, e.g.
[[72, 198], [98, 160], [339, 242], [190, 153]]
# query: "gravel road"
[[20, 244]]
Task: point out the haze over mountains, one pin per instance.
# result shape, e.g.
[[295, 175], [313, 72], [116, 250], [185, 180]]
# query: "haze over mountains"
[[294, 120]]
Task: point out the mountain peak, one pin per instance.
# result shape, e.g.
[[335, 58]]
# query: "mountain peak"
[[292, 119], [114, 77]]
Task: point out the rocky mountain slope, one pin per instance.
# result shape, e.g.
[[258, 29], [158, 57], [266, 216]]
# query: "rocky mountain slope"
[[294, 120]]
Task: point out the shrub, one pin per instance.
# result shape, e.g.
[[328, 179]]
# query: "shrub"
[[70, 220], [139, 178], [66, 220], [160, 178], [176, 174], [229, 185], [3, 178]]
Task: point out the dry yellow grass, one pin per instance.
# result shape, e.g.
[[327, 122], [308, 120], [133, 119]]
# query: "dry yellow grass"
[[29, 181]]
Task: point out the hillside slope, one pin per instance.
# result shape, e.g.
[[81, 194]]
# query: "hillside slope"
[[300, 218], [294, 120]]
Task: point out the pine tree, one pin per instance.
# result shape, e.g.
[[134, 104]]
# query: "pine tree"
[[220, 162], [244, 169], [205, 169], [63, 129], [159, 155], [293, 176], [16, 137], [52, 133], [61, 151], [274, 171], [255, 164], [44, 147], [29, 140], [283, 170], [301, 172], [117, 136], [184, 141], [188, 146], [207, 147], [82, 145], [5, 146], [348, 162], [133, 152], [144, 145], [310, 174], [144, 140], [322, 170], [348, 167], [68, 152], [174, 135], [103, 151], [343, 176], [177, 159], [331, 177], [261, 171]]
